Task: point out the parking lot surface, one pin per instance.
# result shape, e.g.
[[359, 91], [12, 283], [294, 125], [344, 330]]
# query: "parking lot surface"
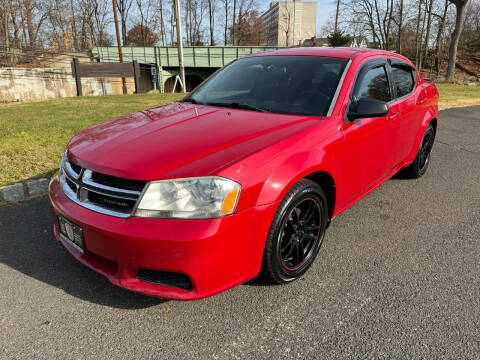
[[397, 277]]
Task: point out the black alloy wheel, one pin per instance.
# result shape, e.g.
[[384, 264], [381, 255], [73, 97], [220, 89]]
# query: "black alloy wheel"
[[419, 166], [296, 233], [301, 232], [425, 150]]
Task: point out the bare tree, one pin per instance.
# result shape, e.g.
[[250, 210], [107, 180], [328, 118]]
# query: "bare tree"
[[424, 47], [399, 22], [234, 21], [226, 4], [148, 19], [452, 51], [124, 7], [438, 40], [211, 19], [250, 28], [163, 35], [286, 21], [33, 15]]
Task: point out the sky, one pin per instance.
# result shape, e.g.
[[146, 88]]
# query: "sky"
[[325, 10]]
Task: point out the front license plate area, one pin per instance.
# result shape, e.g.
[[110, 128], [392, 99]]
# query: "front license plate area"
[[71, 233]]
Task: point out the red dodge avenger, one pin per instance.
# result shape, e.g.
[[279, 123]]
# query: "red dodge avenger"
[[243, 176]]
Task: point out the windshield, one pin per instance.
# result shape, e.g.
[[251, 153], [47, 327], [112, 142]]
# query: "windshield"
[[301, 85]]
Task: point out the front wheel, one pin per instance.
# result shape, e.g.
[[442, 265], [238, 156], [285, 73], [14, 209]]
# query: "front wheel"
[[296, 233], [419, 166]]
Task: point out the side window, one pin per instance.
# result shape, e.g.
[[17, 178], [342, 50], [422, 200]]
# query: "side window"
[[402, 80], [374, 84]]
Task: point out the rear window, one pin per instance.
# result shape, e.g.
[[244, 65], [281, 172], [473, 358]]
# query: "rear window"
[[403, 80], [374, 85]]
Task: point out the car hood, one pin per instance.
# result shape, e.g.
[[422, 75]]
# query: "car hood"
[[179, 140]]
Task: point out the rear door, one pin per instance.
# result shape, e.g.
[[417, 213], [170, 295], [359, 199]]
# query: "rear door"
[[407, 103], [369, 142]]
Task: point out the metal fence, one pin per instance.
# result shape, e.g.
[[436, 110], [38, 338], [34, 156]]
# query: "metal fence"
[[167, 56]]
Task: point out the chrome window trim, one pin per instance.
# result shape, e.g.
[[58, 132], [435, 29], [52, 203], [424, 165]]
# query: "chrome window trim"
[[339, 87]]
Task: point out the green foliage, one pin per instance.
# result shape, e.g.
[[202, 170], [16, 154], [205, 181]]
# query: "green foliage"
[[338, 38]]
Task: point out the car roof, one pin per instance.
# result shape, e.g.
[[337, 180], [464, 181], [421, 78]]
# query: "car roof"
[[337, 52]]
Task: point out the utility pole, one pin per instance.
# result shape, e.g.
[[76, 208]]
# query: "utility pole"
[[119, 44], [336, 15], [179, 44]]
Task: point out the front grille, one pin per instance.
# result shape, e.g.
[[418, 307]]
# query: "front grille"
[[99, 192], [71, 185], [118, 182], [76, 168]]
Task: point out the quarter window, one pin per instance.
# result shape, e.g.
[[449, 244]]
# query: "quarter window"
[[402, 80], [374, 84]]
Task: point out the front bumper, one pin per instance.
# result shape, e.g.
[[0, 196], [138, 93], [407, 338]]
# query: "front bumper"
[[215, 254]]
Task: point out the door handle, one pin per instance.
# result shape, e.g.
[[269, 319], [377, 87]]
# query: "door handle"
[[393, 115], [422, 100]]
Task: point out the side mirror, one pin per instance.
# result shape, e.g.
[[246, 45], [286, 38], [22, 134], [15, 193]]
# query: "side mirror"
[[367, 108]]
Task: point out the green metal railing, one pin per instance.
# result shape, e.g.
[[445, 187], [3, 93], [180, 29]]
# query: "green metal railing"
[[167, 56]]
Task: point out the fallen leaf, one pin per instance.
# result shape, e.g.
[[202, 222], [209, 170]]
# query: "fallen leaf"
[[167, 307], [414, 330], [5, 350], [262, 314]]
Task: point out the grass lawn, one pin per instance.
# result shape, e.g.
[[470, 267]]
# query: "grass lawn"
[[454, 95], [33, 135]]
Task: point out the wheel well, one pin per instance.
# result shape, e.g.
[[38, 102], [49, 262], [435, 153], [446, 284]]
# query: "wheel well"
[[434, 124], [325, 180]]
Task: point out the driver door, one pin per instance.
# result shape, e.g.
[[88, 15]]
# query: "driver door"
[[369, 142]]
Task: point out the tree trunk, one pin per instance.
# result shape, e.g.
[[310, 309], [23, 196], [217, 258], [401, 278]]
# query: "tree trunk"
[[389, 16], [427, 35], [226, 22], [234, 21], [211, 21], [162, 24], [441, 27], [380, 27], [452, 52], [74, 27], [417, 34], [7, 34], [400, 26]]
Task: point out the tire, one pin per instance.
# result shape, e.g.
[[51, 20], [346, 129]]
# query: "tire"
[[419, 166], [296, 233]]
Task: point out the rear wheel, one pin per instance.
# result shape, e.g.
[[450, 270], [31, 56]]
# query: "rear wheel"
[[296, 233], [419, 166]]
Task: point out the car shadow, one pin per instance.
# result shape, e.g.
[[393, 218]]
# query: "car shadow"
[[27, 245]]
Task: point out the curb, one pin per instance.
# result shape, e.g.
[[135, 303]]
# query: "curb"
[[23, 190]]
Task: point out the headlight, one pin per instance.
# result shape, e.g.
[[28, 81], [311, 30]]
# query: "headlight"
[[189, 198]]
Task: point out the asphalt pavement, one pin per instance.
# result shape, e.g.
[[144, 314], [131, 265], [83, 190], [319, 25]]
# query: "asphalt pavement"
[[397, 278]]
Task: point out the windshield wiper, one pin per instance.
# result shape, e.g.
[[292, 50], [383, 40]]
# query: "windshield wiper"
[[237, 105], [191, 100]]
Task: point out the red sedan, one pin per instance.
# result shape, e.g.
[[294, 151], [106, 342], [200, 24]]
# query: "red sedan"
[[243, 176]]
